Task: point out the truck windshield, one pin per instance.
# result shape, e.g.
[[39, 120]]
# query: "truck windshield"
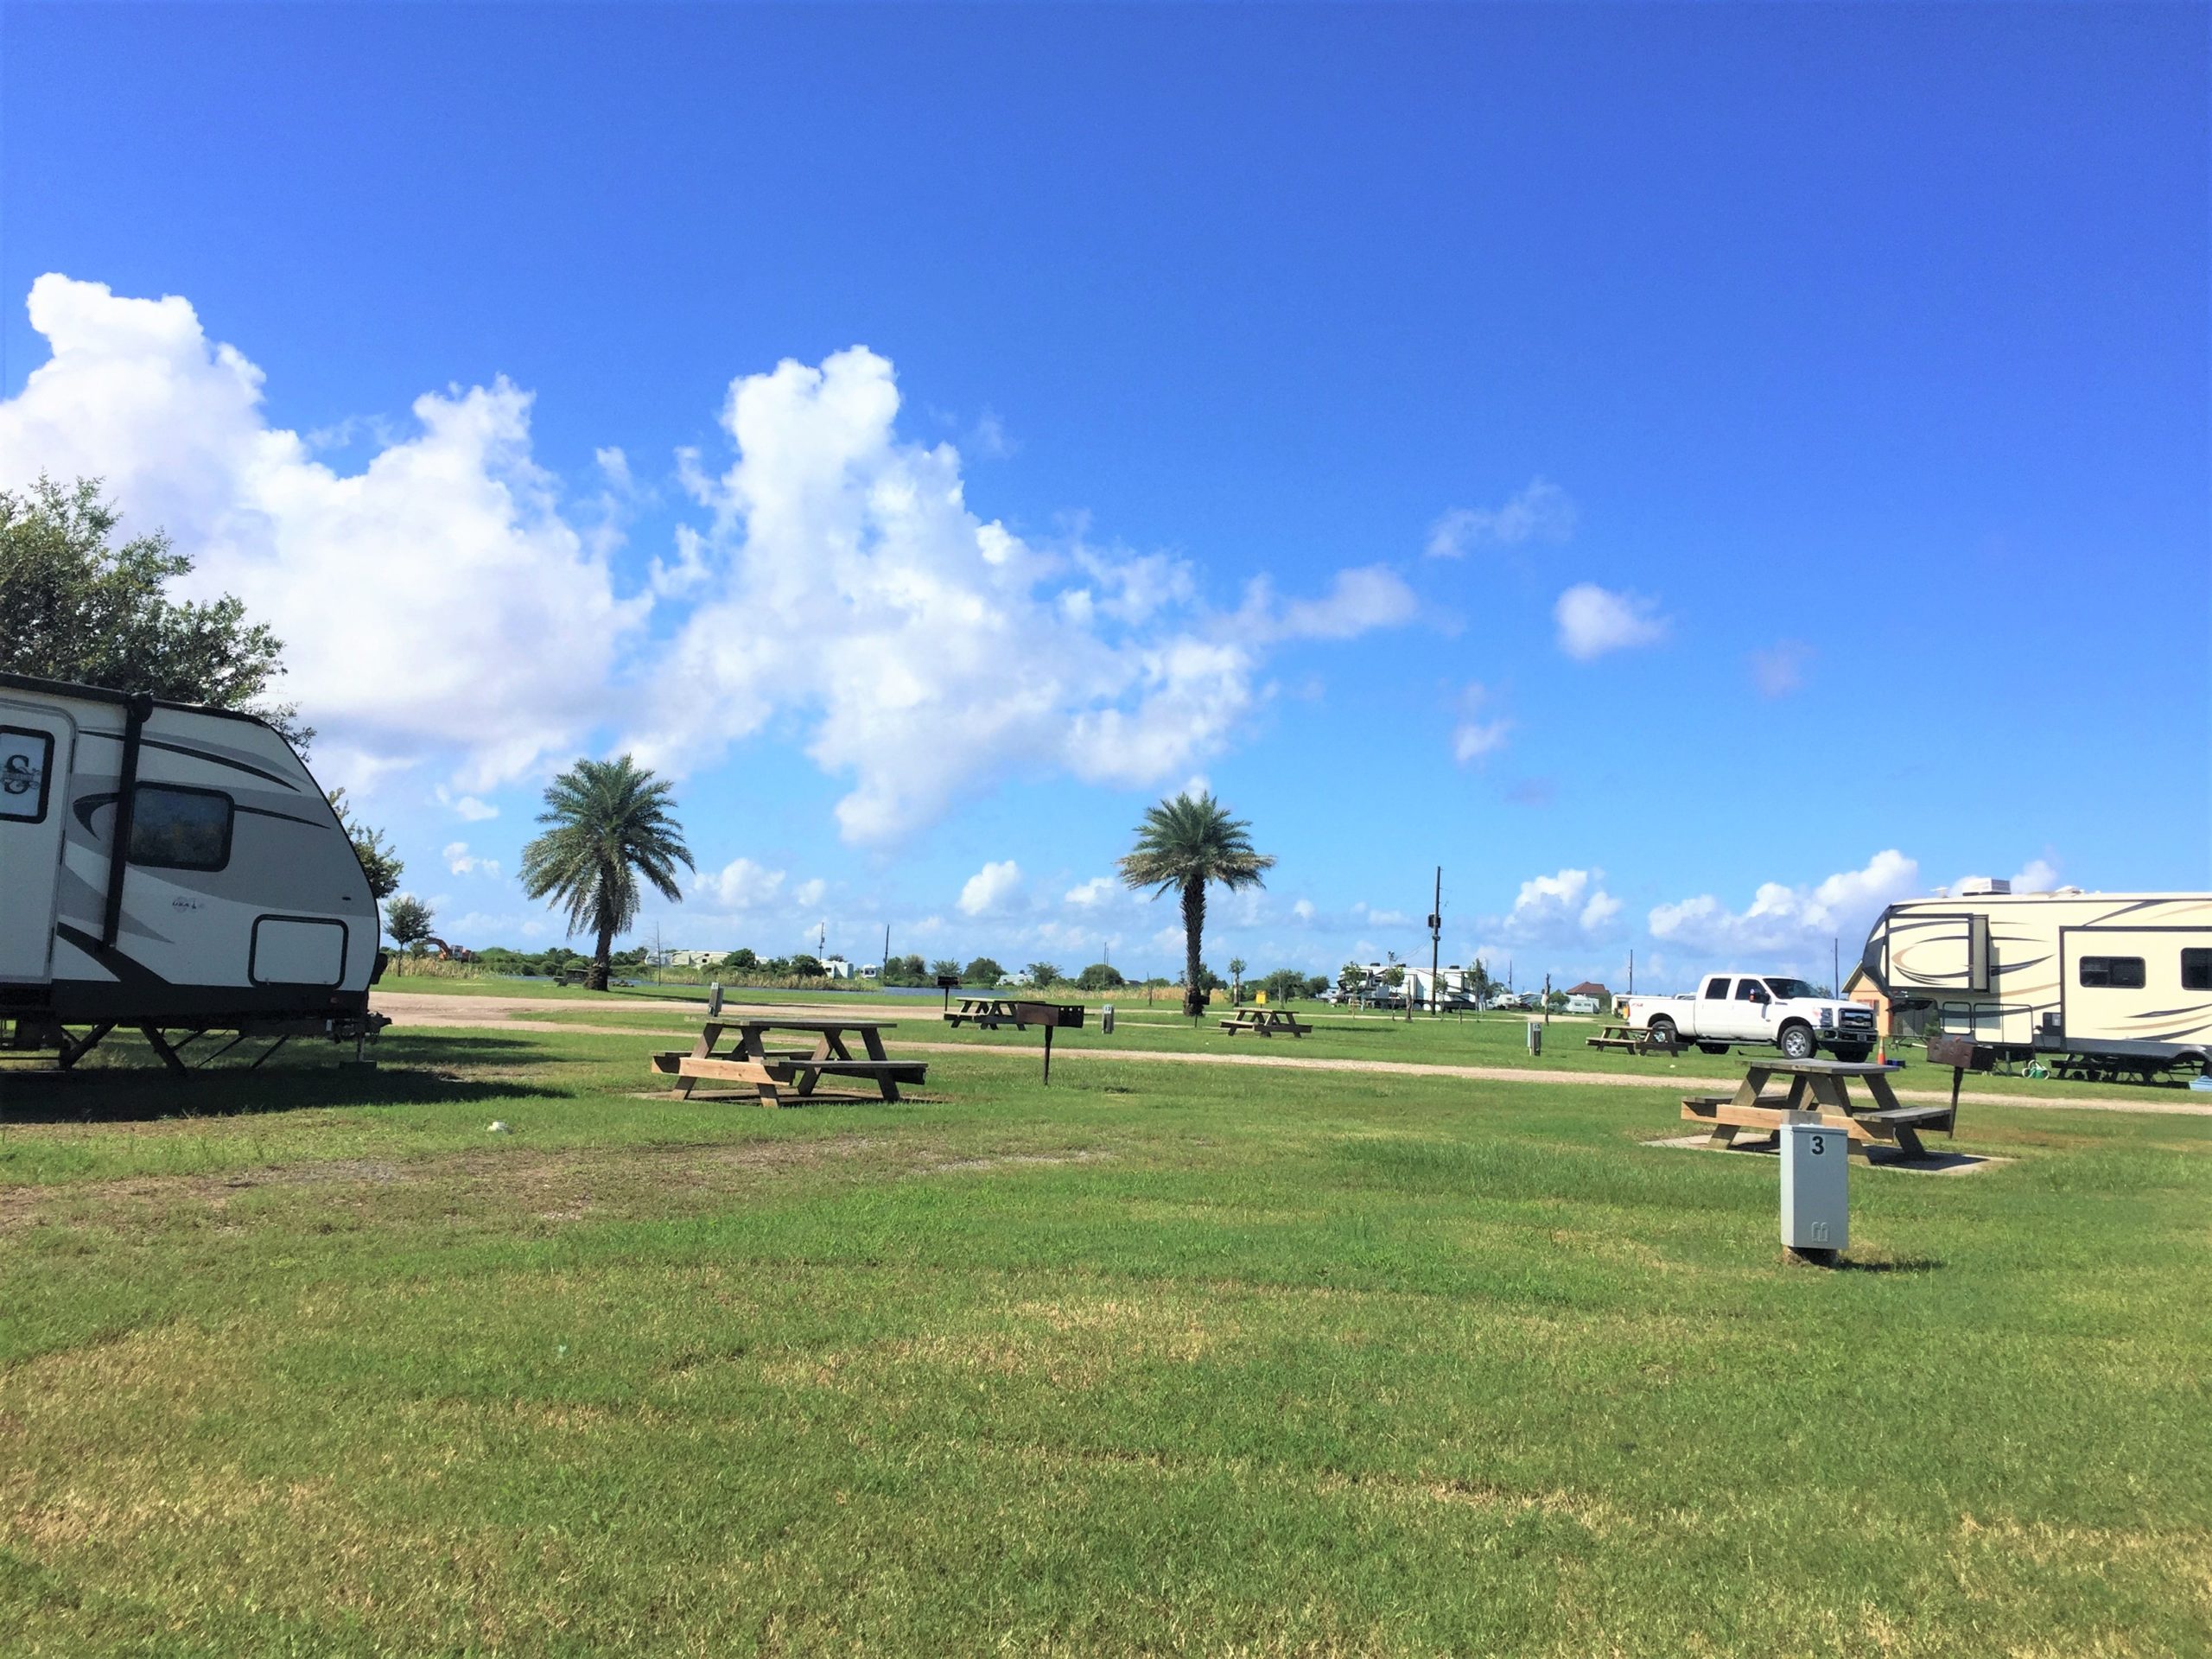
[[1786, 988]]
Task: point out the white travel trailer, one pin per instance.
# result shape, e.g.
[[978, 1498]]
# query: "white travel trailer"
[[173, 869], [2122, 981]]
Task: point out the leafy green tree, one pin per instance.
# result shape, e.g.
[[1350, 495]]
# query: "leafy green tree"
[[1317, 984], [73, 608], [944, 968], [907, 970], [407, 919], [379, 862], [612, 822], [803, 966], [741, 959], [1286, 984], [1186, 844], [1237, 978], [982, 971], [1100, 976]]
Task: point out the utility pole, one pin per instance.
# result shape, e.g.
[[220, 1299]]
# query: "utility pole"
[[883, 974], [1835, 965], [1632, 971], [1547, 999], [1435, 937]]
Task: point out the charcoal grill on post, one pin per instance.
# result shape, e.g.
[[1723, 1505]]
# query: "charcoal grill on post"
[[989, 1012]]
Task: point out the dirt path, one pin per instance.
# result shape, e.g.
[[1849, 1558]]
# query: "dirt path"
[[421, 1010]]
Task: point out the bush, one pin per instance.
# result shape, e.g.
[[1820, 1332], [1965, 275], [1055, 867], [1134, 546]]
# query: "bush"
[[1100, 976]]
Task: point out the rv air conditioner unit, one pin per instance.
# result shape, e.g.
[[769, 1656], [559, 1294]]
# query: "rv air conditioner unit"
[[1982, 886]]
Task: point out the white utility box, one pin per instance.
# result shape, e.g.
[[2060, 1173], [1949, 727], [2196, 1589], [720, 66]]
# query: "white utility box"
[[1815, 1187], [1536, 1036]]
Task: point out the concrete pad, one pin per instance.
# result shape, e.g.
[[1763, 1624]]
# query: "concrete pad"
[[1937, 1163]]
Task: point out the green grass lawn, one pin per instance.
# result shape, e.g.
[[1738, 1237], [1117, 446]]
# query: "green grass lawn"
[[1162, 1358], [1493, 1039]]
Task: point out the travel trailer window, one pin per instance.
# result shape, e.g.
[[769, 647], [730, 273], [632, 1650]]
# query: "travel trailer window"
[[26, 763], [175, 828], [2197, 971], [2115, 973]]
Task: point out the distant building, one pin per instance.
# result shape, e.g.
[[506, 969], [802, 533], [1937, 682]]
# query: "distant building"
[[837, 968], [1600, 999], [694, 958]]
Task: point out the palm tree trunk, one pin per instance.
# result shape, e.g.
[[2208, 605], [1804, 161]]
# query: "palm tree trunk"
[[601, 962], [1194, 926]]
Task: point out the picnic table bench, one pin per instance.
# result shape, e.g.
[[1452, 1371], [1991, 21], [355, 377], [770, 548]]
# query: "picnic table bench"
[[1821, 1087], [770, 1071], [1265, 1022], [1638, 1040]]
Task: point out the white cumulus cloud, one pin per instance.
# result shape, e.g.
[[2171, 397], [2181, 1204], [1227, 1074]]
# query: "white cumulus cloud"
[[1593, 621], [1542, 512], [462, 862], [1096, 891], [986, 892], [1475, 737], [933, 650], [743, 885], [1557, 909], [441, 578], [1789, 921]]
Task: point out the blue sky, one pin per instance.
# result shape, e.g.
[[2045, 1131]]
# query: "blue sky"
[[1705, 470]]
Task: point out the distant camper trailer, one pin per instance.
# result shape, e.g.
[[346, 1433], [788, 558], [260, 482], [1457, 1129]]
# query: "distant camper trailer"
[[2122, 977], [169, 868]]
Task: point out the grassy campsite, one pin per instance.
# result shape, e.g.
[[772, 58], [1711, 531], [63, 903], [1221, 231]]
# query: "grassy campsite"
[[1164, 1357]]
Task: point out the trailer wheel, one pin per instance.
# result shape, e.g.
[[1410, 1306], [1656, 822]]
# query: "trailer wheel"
[[1798, 1042]]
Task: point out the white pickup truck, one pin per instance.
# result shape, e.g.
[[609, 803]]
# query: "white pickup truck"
[[1768, 1010]]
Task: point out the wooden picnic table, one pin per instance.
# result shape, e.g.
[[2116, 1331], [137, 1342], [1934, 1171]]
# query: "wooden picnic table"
[[1265, 1022], [770, 1068], [1821, 1087], [988, 1013], [1638, 1040]]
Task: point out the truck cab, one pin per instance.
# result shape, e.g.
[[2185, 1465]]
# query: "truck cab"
[[1768, 1010]]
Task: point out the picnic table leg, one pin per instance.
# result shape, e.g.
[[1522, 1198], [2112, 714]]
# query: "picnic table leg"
[[1747, 1092], [1722, 1138], [872, 1040], [826, 1047], [753, 1045], [1909, 1140], [700, 1050]]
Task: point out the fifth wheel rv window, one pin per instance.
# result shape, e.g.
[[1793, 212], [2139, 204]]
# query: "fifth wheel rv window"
[[2112, 973], [2197, 971], [26, 769]]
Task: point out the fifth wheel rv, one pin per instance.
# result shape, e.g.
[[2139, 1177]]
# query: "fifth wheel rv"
[[171, 869], [2118, 981]]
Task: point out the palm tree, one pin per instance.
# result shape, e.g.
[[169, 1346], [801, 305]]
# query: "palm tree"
[[1183, 844], [612, 820]]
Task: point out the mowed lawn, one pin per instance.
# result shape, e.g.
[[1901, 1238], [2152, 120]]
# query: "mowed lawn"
[[1163, 1358]]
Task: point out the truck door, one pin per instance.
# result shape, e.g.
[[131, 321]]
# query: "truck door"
[[1712, 1010], [1749, 1011], [36, 745]]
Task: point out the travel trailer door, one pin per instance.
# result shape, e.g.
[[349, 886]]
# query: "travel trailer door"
[[37, 744]]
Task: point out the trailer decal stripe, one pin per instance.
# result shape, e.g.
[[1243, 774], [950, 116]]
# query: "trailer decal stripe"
[[132, 973]]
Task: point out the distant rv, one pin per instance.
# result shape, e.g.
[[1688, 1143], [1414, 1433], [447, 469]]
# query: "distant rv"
[[2121, 977], [169, 868]]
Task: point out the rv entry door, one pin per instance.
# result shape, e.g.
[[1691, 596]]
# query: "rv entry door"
[[35, 746]]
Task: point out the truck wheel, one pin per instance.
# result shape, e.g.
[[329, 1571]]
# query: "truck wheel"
[[1662, 1030], [1713, 1048], [1798, 1043]]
